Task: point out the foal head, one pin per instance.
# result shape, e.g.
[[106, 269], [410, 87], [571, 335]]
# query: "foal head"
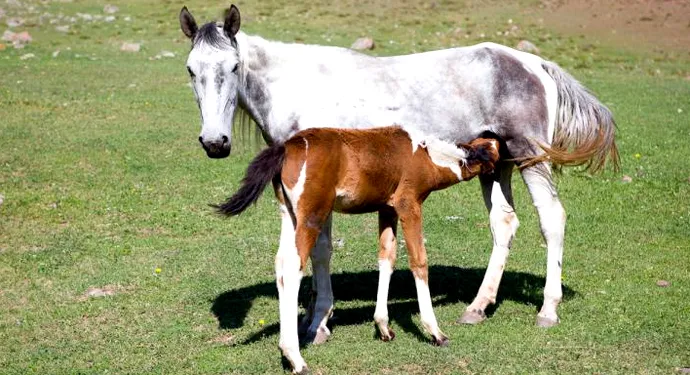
[[213, 66], [482, 156]]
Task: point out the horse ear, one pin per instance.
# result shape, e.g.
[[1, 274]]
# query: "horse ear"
[[231, 23], [187, 23]]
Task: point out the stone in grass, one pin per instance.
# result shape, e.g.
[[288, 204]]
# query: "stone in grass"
[[14, 22], [363, 44], [2, 199], [663, 283], [99, 292], [626, 179], [62, 29], [130, 47], [110, 9], [527, 46], [27, 56]]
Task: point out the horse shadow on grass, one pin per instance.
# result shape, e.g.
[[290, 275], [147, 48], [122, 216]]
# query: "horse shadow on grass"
[[448, 284]]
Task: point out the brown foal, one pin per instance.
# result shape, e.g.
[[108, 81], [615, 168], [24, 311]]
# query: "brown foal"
[[384, 170]]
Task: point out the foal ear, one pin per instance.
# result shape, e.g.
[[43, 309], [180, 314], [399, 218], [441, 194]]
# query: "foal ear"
[[231, 21], [187, 23]]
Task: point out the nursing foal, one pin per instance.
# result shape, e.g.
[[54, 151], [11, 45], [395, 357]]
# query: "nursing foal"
[[321, 170]]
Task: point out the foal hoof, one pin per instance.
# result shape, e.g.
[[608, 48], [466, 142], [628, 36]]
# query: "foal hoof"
[[390, 337], [305, 371], [442, 341], [472, 317], [545, 322]]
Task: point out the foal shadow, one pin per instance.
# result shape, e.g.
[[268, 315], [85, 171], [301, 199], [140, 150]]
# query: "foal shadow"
[[451, 284]]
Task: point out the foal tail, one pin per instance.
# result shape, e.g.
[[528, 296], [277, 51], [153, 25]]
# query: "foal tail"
[[585, 128], [260, 172]]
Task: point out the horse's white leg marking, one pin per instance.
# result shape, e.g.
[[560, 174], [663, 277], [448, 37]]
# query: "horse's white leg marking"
[[504, 223], [426, 312], [289, 273], [410, 213], [288, 276], [552, 219], [381, 312], [388, 247], [322, 308]]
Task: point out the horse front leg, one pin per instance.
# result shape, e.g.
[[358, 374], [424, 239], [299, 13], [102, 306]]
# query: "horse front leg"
[[498, 198], [552, 220], [411, 219], [314, 324], [388, 225]]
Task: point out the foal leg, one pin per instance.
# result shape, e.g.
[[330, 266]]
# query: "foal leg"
[[388, 223], [321, 304], [288, 276], [498, 198], [552, 220], [411, 220]]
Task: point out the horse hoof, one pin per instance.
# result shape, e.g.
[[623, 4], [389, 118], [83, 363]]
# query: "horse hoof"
[[321, 336], [472, 317], [390, 337], [544, 322], [442, 341], [304, 371]]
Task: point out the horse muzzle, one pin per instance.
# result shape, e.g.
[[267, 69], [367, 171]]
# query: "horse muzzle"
[[216, 149]]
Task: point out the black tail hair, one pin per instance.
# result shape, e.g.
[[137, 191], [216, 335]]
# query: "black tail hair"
[[260, 172]]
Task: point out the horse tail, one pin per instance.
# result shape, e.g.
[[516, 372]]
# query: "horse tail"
[[265, 166], [585, 130]]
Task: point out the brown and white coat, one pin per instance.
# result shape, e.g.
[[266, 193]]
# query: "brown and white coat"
[[382, 170]]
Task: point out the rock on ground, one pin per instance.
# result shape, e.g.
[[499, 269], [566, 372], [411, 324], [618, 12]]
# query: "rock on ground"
[[363, 44], [527, 46], [130, 47], [110, 9]]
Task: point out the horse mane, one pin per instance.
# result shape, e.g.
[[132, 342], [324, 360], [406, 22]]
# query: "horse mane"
[[209, 34]]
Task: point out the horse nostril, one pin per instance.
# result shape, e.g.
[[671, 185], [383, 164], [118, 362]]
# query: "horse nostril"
[[225, 139]]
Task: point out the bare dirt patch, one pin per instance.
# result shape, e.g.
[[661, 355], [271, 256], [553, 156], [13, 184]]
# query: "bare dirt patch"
[[649, 24]]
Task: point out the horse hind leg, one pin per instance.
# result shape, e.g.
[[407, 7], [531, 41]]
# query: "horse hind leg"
[[552, 221], [388, 223], [291, 267], [314, 324], [288, 276], [498, 198]]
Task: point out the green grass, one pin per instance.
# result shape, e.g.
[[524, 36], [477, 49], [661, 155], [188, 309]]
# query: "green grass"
[[103, 182]]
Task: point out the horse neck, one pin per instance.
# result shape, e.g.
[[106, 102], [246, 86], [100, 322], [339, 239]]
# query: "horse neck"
[[259, 58], [265, 61]]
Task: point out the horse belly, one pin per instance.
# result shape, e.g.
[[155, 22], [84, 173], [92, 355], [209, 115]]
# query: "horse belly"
[[360, 198]]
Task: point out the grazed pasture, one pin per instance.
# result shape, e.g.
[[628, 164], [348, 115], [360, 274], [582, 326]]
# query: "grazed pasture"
[[111, 260]]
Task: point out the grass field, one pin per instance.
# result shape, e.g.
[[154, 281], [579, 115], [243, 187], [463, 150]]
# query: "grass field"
[[104, 185]]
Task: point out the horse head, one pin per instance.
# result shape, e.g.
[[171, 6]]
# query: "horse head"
[[213, 66]]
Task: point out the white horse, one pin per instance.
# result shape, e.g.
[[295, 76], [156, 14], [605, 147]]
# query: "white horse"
[[541, 113]]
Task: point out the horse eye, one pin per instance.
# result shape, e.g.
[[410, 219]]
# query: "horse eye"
[[191, 74], [234, 70]]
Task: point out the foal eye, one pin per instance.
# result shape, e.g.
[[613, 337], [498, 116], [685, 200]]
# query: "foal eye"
[[191, 74], [234, 70]]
